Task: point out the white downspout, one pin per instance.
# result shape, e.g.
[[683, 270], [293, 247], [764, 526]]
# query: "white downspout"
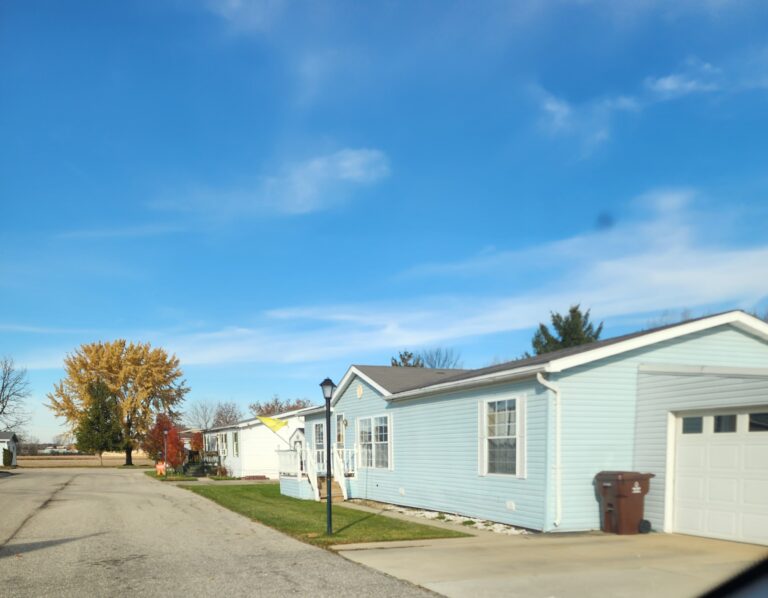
[[558, 448]]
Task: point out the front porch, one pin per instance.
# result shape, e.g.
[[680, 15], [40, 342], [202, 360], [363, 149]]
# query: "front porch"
[[303, 473]]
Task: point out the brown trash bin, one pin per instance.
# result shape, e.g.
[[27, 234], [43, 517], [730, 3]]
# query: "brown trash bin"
[[622, 496]]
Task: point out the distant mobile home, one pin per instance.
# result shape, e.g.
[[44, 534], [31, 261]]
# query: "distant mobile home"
[[249, 448], [521, 442], [9, 441]]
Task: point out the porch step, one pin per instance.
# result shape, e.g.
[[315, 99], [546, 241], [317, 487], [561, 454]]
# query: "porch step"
[[336, 494]]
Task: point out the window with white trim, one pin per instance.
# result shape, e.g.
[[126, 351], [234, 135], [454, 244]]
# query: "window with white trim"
[[222, 441], [374, 438], [235, 444], [340, 430], [502, 429], [319, 440]]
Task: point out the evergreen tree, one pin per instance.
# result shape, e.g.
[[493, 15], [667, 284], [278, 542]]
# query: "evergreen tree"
[[99, 428], [406, 359], [569, 330]]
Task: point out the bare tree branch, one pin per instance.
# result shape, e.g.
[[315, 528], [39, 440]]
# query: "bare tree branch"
[[277, 405], [227, 413], [200, 415], [441, 358], [14, 389]]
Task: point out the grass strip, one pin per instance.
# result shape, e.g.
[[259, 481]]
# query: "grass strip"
[[305, 519], [172, 477]]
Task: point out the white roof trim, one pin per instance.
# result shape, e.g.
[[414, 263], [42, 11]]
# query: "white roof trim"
[[739, 319], [255, 421], [699, 370], [347, 380]]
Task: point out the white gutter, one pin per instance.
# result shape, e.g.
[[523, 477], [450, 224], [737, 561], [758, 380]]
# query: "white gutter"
[[485, 380], [558, 448]]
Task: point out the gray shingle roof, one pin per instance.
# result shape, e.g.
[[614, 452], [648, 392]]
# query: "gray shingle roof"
[[398, 379], [6, 435]]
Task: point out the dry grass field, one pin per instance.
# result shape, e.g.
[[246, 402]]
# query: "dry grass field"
[[110, 460]]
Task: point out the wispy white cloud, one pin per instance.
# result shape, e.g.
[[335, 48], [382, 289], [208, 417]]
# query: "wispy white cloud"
[[659, 261], [696, 76], [247, 16], [590, 122], [312, 185]]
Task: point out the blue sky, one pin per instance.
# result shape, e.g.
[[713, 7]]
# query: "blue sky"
[[274, 190]]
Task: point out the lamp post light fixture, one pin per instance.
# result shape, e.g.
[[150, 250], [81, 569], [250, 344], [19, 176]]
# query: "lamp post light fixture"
[[165, 453], [328, 387]]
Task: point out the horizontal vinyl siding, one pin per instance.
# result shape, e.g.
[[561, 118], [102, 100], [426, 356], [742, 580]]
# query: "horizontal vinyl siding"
[[435, 454], [599, 409], [297, 488], [660, 394]]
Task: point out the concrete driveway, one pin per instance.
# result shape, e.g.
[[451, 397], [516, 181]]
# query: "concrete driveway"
[[112, 532], [552, 565]]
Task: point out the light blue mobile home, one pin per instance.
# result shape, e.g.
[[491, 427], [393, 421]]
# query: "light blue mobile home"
[[521, 442]]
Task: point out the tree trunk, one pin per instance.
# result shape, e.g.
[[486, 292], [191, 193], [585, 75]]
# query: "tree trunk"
[[128, 455], [101, 461]]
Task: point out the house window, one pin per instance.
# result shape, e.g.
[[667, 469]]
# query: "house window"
[[339, 430], [501, 436], [374, 440], [319, 439], [235, 444], [223, 444]]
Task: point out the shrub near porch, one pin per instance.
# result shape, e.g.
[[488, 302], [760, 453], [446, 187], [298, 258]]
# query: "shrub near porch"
[[305, 520]]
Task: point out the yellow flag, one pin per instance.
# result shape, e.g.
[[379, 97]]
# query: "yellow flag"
[[272, 423]]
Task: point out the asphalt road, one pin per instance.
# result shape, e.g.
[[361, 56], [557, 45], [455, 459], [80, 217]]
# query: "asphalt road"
[[108, 532]]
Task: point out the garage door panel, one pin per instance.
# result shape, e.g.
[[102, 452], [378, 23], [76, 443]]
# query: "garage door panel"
[[755, 492], [721, 478], [755, 527], [721, 523], [723, 456], [690, 457], [690, 488], [756, 456], [690, 520], [723, 490]]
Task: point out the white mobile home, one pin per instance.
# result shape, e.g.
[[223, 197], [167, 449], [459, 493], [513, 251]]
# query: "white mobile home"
[[249, 448], [10, 442]]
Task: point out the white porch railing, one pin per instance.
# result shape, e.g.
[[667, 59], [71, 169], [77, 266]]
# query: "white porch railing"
[[311, 463]]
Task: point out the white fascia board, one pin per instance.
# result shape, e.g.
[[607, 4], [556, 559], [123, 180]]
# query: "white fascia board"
[[739, 319], [702, 370], [347, 380], [485, 380]]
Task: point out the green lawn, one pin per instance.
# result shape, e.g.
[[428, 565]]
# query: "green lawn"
[[305, 519], [172, 477]]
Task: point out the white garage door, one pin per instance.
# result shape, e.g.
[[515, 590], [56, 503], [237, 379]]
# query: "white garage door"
[[721, 475]]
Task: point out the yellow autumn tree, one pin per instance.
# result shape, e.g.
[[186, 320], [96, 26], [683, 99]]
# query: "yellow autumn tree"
[[145, 381]]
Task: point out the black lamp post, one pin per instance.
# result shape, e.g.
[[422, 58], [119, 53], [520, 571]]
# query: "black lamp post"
[[328, 387], [165, 452]]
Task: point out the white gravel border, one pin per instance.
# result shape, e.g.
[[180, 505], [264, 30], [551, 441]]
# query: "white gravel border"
[[482, 524]]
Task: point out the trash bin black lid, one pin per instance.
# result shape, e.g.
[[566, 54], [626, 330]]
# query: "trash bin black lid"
[[624, 475]]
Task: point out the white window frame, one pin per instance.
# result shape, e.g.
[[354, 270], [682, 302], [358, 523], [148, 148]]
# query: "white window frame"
[[316, 448], [390, 443], [340, 431], [235, 444], [520, 437], [222, 444]]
